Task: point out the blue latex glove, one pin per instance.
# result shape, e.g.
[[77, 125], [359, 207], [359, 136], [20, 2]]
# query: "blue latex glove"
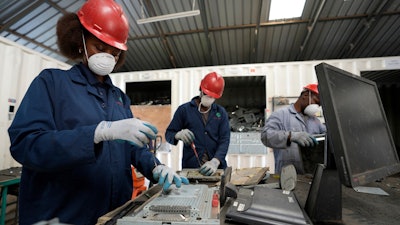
[[210, 167], [135, 131], [166, 176], [186, 136], [303, 139]]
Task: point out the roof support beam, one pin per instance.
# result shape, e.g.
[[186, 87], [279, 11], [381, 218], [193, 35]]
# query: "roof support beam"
[[20, 15], [310, 29], [256, 30], [264, 24], [210, 56], [368, 26], [162, 36]]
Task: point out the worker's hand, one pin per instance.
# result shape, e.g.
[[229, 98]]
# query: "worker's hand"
[[303, 139], [210, 167], [186, 136], [135, 131], [166, 176]]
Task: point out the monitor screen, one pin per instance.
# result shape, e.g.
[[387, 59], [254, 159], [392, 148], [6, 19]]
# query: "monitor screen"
[[357, 128]]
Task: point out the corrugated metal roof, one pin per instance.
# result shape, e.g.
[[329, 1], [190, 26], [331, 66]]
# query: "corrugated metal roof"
[[226, 32]]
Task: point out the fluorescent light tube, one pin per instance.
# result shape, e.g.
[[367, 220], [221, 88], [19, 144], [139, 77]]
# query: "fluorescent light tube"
[[168, 16]]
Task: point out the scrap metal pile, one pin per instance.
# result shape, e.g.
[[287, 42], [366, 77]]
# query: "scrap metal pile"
[[246, 119]]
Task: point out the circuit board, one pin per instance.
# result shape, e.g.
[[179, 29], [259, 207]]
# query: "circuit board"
[[190, 204], [195, 175]]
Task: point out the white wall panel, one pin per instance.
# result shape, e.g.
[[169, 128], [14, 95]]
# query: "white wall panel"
[[18, 67], [282, 79]]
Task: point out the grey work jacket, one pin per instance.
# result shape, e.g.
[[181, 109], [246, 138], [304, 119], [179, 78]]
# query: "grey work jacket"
[[276, 131]]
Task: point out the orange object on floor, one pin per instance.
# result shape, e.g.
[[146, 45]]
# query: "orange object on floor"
[[138, 183]]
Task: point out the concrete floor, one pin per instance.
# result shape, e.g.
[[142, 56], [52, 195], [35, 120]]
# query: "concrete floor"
[[362, 208]]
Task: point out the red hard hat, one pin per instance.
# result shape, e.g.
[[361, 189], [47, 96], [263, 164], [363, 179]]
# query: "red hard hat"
[[106, 20], [312, 87], [213, 85]]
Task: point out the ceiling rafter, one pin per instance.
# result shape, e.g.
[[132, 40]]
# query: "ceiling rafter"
[[203, 12], [240, 27], [310, 28], [20, 15], [368, 26], [262, 24], [151, 11], [257, 29]]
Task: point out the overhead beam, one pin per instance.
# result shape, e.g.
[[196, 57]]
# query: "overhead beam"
[[209, 55], [151, 11], [262, 24], [256, 31], [20, 15], [33, 41], [310, 29], [365, 30], [56, 6]]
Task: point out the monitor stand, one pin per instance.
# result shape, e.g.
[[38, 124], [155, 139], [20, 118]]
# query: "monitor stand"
[[324, 201]]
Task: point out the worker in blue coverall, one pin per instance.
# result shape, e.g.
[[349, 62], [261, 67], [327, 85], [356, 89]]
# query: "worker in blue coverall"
[[288, 128], [203, 126], [74, 133]]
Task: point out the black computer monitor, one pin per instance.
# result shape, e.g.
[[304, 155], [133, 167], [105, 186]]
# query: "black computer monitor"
[[357, 128]]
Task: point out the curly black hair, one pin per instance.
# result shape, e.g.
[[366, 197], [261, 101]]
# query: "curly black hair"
[[69, 38]]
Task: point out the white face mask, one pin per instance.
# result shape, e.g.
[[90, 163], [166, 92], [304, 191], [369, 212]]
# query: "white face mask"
[[207, 101], [311, 109], [100, 63]]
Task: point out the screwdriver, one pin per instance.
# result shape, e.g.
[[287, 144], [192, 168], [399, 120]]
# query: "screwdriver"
[[195, 152]]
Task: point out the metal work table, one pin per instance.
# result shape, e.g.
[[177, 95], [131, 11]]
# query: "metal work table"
[[9, 177], [357, 208]]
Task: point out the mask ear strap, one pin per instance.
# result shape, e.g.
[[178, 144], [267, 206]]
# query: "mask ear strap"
[[84, 46], [309, 97]]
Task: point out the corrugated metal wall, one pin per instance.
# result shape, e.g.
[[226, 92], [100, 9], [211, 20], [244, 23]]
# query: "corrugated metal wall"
[[18, 67]]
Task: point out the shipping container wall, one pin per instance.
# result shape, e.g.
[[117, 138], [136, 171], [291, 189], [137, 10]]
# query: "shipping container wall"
[[282, 79], [18, 67]]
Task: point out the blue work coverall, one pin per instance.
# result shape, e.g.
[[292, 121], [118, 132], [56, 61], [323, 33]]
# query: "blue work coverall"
[[276, 131], [211, 138], [64, 174]]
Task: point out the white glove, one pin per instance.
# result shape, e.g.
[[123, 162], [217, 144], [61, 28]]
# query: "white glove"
[[135, 131], [304, 139], [210, 167], [166, 176], [185, 135]]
